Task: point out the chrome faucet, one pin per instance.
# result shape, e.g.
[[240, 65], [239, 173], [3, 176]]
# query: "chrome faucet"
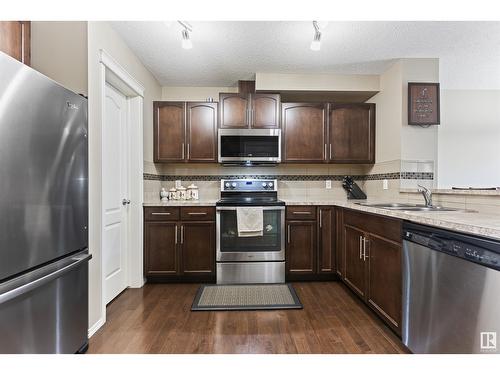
[[427, 195]]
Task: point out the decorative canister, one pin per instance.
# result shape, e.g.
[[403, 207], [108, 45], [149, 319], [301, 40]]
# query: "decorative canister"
[[172, 194], [163, 195], [193, 192], [181, 193]]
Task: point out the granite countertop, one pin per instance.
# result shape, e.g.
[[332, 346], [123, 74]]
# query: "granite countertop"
[[478, 223], [200, 202], [457, 191], [482, 224]]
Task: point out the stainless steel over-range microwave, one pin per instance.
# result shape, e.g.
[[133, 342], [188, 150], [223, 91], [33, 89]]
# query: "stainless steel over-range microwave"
[[249, 145]]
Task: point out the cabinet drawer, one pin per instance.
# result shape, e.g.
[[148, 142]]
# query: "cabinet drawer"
[[198, 213], [161, 213], [301, 213], [384, 227]]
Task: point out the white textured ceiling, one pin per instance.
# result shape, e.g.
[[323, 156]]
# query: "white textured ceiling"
[[225, 52]]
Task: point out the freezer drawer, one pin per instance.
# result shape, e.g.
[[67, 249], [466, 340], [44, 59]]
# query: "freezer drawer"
[[46, 311]]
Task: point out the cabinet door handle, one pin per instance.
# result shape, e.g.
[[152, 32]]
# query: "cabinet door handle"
[[188, 151], [360, 247], [324, 155], [320, 218], [288, 233], [364, 249], [330, 151], [176, 234], [160, 213], [182, 150], [301, 213], [197, 213], [182, 234]]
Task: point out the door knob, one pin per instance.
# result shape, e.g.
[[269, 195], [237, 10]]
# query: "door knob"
[[125, 201]]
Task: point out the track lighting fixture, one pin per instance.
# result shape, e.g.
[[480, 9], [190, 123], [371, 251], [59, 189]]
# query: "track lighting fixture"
[[186, 40], [316, 43]]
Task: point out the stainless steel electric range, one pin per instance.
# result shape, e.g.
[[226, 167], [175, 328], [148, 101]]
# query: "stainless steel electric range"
[[258, 259]]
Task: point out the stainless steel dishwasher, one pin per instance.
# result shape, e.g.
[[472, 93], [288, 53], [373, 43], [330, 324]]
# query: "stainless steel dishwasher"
[[451, 291]]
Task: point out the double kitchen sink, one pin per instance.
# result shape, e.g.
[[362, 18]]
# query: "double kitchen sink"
[[408, 207]]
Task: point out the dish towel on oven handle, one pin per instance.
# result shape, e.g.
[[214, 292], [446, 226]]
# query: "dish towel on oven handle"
[[250, 221]]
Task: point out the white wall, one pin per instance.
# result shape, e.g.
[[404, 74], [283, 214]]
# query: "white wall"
[[102, 36], [388, 112], [194, 94], [316, 82], [59, 50], [469, 138], [418, 143]]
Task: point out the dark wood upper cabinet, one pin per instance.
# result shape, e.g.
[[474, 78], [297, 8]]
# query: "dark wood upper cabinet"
[[351, 129], [169, 131], [249, 110], [354, 273], [160, 249], [265, 111], [15, 40], [326, 240], [234, 110], [301, 248], [304, 132], [198, 248], [185, 132], [384, 292], [202, 132]]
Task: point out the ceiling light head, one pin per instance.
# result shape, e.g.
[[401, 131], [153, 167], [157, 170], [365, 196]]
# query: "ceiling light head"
[[186, 29], [186, 41], [316, 43]]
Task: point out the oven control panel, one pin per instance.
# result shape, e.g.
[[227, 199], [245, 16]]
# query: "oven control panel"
[[249, 185]]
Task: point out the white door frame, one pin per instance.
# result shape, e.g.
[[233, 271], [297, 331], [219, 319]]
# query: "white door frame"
[[114, 74]]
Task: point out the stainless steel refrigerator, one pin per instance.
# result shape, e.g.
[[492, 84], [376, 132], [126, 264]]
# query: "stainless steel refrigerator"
[[43, 214]]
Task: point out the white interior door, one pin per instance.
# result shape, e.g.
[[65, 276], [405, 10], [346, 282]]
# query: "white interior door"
[[115, 195]]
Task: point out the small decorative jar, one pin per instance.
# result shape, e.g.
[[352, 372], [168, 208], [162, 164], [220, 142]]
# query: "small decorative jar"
[[172, 194], [164, 195], [193, 192], [181, 193]]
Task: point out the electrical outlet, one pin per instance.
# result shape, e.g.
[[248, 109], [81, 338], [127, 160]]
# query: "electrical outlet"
[[385, 184], [328, 184]]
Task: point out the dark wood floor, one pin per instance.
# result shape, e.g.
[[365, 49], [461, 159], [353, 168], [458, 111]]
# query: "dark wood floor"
[[157, 319]]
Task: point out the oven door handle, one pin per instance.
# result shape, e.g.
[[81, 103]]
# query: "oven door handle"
[[266, 208]]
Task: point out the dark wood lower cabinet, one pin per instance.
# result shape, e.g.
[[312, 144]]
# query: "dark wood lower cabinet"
[[160, 245], [301, 248], [355, 274], [384, 291], [198, 248], [310, 243], [372, 258], [339, 241], [326, 240], [179, 250]]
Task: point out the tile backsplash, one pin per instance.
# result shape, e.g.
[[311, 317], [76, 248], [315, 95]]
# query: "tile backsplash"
[[307, 182]]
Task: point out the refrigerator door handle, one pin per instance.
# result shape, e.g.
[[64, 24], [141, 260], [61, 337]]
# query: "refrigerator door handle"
[[25, 288]]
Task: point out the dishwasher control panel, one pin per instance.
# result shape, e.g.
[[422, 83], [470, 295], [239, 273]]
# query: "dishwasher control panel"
[[470, 250]]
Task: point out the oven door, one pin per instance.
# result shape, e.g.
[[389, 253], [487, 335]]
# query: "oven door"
[[268, 247], [254, 145]]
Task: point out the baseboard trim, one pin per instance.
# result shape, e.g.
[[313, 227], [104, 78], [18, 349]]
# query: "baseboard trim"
[[97, 325]]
